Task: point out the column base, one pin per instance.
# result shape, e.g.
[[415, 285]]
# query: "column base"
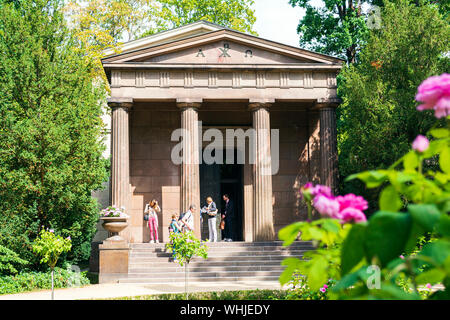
[[113, 260]]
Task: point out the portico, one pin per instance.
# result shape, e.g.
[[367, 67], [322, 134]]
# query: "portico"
[[225, 79]]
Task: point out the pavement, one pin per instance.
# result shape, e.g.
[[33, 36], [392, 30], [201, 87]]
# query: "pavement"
[[115, 290]]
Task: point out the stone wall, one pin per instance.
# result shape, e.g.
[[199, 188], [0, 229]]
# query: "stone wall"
[[299, 162], [152, 173]]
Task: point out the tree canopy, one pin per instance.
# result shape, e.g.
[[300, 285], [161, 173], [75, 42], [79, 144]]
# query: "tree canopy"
[[377, 120], [50, 130]]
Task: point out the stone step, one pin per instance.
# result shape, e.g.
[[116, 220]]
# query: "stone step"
[[207, 268], [214, 259], [228, 244], [231, 249], [134, 254], [200, 263], [208, 274], [202, 279]]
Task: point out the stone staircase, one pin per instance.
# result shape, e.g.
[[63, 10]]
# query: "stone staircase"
[[227, 261]]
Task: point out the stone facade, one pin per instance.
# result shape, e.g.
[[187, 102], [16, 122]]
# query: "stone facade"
[[225, 79]]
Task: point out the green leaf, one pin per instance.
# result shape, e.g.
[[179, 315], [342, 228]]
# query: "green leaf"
[[331, 225], [348, 280], [317, 276], [426, 215], [438, 251], [431, 276], [392, 292], [444, 160], [372, 179], [290, 233], [440, 133], [353, 248], [443, 226], [390, 199], [386, 235], [411, 161], [291, 267]]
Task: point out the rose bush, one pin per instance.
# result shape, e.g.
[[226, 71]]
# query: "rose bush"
[[384, 257]]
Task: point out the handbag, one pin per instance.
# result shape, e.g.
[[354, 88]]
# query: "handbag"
[[146, 217], [222, 224]]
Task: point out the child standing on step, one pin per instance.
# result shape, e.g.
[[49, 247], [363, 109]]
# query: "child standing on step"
[[174, 227]]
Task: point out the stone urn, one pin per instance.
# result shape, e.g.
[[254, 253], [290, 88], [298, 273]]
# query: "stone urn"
[[114, 225]]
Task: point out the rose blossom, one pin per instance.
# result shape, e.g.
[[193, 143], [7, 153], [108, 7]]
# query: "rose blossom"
[[352, 201], [421, 143], [323, 290], [327, 206], [352, 214], [434, 92]]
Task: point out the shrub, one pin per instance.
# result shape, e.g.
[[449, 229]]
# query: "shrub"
[[28, 281], [10, 262]]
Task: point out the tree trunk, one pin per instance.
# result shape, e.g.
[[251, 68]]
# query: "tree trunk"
[[186, 278], [53, 288]]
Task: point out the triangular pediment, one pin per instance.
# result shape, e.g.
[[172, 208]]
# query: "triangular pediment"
[[223, 46]]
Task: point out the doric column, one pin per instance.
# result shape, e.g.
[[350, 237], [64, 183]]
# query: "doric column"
[[190, 172], [328, 147], [120, 155], [262, 174]]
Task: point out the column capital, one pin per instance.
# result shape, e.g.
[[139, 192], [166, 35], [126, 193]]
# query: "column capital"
[[120, 102], [184, 103], [254, 104], [326, 103]]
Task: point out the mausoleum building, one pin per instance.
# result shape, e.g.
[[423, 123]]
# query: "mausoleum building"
[[203, 76]]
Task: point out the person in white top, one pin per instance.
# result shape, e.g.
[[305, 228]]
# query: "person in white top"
[[211, 210], [152, 210], [188, 219]]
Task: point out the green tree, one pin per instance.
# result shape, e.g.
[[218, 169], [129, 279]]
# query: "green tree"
[[234, 14], [337, 28], [50, 131], [376, 121]]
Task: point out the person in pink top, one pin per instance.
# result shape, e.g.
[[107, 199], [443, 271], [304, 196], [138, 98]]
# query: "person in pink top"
[[152, 210]]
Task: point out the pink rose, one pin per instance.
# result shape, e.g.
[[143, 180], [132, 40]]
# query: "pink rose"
[[352, 214], [327, 206], [352, 201], [323, 290], [421, 143], [325, 286], [428, 286], [434, 92]]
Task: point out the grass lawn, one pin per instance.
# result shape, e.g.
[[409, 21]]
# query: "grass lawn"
[[218, 295]]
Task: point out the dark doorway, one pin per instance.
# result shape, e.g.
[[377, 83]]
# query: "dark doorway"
[[215, 181]]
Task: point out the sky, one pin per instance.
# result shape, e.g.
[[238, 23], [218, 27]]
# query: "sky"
[[277, 20]]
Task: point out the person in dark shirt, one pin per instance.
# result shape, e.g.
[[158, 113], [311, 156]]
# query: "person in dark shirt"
[[228, 215]]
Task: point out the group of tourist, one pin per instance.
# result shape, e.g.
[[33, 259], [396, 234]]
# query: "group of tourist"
[[185, 221]]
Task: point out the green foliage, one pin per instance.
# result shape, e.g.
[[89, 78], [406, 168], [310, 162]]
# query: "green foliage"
[[50, 246], [320, 264], [10, 262], [389, 234], [186, 247], [50, 131], [28, 281], [299, 289], [337, 28], [234, 14], [377, 120]]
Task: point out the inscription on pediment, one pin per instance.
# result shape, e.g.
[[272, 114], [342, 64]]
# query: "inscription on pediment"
[[225, 52]]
